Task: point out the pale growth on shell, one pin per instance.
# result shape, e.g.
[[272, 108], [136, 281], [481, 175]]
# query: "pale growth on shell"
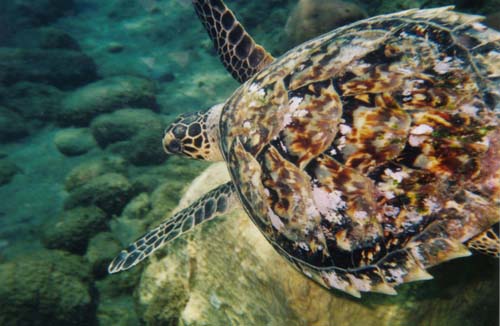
[[390, 210], [422, 130], [360, 215], [275, 220], [345, 129], [397, 176], [416, 141]]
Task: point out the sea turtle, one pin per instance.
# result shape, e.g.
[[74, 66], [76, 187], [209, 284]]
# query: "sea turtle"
[[364, 156]]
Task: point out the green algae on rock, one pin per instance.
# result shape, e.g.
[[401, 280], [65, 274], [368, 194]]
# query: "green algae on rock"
[[311, 18], [46, 288], [123, 125], [8, 170], [110, 192], [53, 38], [42, 12], [74, 229], [65, 69], [12, 125], [142, 149], [132, 133], [99, 253], [88, 170], [34, 100], [74, 141], [138, 207], [105, 96]]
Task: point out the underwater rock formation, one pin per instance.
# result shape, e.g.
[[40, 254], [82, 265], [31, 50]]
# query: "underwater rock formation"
[[226, 273], [133, 133], [311, 18], [64, 69], [110, 192], [74, 141], [34, 100], [8, 170], [88, 170], [105, 96], [12, 125], [53, 38], [138, 207], [116, 304], [100, 252], [117, 311], [42, 12], [44, 38], [123, 125], [74, 229], [142, 149], [46, 288]]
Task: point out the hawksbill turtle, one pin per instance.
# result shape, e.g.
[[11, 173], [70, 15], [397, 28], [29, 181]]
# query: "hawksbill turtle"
[[364, 156]]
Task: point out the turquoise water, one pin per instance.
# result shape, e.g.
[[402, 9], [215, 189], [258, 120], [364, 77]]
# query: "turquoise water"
[[87, 88]]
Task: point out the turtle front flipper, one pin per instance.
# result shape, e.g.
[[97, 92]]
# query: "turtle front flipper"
[[214, 203], [239, 53], [487, 243]]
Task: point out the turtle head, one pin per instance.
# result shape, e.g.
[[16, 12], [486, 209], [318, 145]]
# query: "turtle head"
[[195, 135]]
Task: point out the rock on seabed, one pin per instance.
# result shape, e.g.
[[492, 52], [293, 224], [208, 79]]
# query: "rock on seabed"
[[46, 288], [33, 100], [105, 96], [110, 192], [65, 69], [226, 273], [12, 125], [74, 229], [74, 141], [311, 18]]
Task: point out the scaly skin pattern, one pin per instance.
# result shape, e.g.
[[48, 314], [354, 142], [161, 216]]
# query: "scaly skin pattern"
[[371, 153], [214, 203], [237, 51]]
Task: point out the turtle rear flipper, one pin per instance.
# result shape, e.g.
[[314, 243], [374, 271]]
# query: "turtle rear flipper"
[[214, 203], [239, 53], [487, 243], [440, 241]]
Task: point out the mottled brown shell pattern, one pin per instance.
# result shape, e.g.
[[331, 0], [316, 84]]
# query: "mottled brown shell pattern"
[[372, 152]]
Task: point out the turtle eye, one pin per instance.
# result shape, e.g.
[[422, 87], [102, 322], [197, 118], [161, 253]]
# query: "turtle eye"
[[174, 146], [179, 131]]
